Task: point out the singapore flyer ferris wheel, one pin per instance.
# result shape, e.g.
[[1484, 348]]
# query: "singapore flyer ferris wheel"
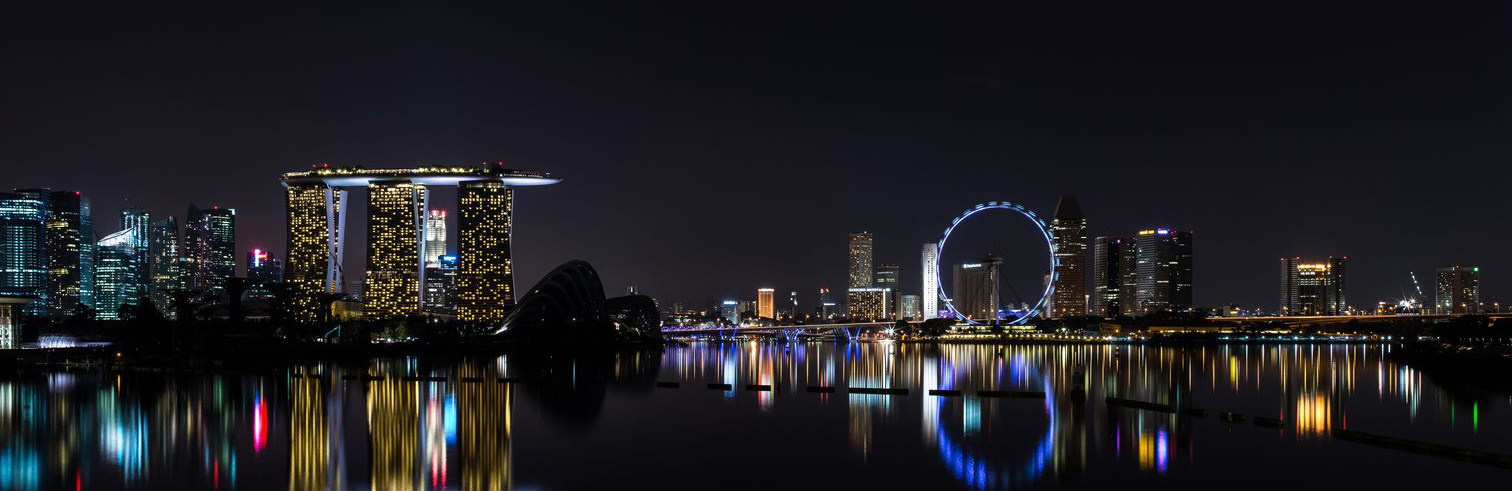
[[1044, 230]]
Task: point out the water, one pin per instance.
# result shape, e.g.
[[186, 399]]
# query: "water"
[[601, 422]]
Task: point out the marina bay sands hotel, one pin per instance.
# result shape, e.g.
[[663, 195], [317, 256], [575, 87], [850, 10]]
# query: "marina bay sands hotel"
[[396, 212]]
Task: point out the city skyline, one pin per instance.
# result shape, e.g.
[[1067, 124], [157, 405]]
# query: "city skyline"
[[1031, 121]]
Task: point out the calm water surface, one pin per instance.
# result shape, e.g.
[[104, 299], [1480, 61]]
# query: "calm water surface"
[[602, 422]]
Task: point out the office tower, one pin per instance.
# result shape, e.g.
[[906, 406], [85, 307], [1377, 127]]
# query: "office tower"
[[826, 305], [164, 275], [1315, 288], [140, 222], [931, 293], [1164, 263], [861, 259], [1114, 277], [793, 304], [263, 270], [209, 248], [440, 285], [909, 308], [976, 293], [730, 311], [312, 268], [23, 247], [435, 237], [118, 283], [485, 267], [70, 255], [868, 303], [1458, 290], [887, 276], [765, 308], [1069, 231], [396, 218]]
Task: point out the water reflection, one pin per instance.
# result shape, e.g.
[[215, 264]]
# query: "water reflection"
[[452, 424]]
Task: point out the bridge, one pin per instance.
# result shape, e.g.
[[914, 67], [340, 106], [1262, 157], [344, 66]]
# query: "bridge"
[[850, 330], [1340, 319]]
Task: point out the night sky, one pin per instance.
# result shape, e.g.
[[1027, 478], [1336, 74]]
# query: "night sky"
[[709, 150]]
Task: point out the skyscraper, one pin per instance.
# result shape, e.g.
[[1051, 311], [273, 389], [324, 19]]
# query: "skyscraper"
[[975, 293], [1114, 277], [826, 304], [263, 270], [70, 255], [1069, 231], [1457, 290], [861, 259], [730, 311], [316, 218], [485, 266], [23, 247], [118, 281], [435, 236], [887, 276], [1164, 263], [1313, 288], [317, 203], [765, 304], [165, 273], [209, 248], [931, 293], [396, 216], [440, 285], [139, 221]]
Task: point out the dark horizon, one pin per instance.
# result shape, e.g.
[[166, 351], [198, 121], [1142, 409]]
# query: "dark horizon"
[[707, 151]]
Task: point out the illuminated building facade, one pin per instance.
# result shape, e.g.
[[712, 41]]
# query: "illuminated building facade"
[[117, 274], [316, 218], [1163, 261], [435, 237], [396, 217], [485, 264], [10, 319], [975, 293], [70, 254], [440, 285], [765, 307], [730, 311], [1315, 288], [1114, 277], [869, 303], [1457, 290], [317, 203], [209, 248], [164, 270], [139, 221], [908, 307], [827, 307], [861, 260], [263, 270], [23, 251], [931, 294], [1069, 231]]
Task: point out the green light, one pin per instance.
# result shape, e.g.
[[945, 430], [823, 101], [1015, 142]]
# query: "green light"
[[1475, 417]]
